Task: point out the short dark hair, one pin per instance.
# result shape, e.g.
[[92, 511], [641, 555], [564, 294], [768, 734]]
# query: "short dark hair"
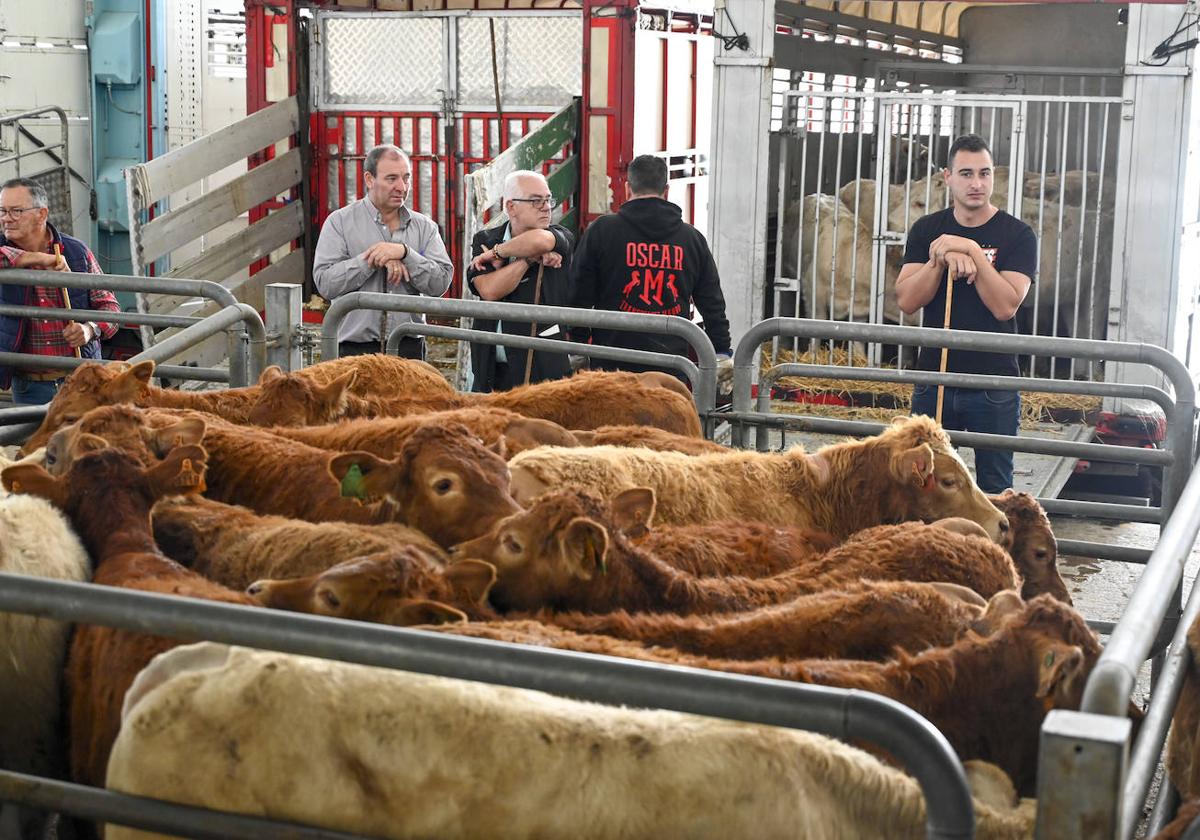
[[371, 164], [647, 175], [37, 193], [966, 143]]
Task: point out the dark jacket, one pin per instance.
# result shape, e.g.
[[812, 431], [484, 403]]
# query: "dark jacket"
[[488, 375], [646, 259], [12, 328]]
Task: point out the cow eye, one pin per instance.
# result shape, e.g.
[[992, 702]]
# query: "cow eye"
[[949, 483], [442, 486], [331, 600], [510, 544], [50, 458], [1040, 554]]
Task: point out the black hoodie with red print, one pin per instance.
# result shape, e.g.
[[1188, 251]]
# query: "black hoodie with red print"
[[645, 259]]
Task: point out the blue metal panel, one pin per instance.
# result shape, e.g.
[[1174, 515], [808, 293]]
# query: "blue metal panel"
[[116, 41]]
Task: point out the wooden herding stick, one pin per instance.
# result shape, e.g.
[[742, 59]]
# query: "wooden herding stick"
[[537, 296], [945, 350], [66, 296]]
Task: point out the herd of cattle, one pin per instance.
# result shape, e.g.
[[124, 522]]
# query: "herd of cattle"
[[1071, 214], [585, 514]]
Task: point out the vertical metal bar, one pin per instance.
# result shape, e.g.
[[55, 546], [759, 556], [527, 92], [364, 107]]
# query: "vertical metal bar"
[[780, 216], [1082, 231], [1041, 229], [802, 117], [358, 148], [341, 161], [833, 262], [284, 316], [1100, 306], [816, 250], [1064, 122]]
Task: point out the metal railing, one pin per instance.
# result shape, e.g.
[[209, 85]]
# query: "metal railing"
[[840, 713], [703, 375]]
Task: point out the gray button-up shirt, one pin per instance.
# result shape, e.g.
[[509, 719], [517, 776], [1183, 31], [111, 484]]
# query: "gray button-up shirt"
[[338, 266]]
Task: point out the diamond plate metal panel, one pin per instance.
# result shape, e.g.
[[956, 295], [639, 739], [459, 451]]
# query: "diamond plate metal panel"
[[539, 60], [381, 61], [58, 190]]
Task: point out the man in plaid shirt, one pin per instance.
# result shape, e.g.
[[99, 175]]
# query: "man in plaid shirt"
[[28, 240]]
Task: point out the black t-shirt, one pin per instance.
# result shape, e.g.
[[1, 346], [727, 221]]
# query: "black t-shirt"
[[1011, 246]]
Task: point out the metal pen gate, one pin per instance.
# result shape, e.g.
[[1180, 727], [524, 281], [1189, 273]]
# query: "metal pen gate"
[[841, 240], [430, 83]]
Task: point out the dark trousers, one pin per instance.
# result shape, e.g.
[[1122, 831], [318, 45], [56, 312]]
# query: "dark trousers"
[[974, 410], [410, 347]]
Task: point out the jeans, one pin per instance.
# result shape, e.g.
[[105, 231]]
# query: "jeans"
[[411, 347], [973, 410], [33, 391]]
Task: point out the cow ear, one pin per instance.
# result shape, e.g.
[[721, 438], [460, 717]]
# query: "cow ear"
[[333, 396], [85, 443], [586, 437], [35, 481], [270, 374], [633, 510], [474, 578], [425, 612], [189, 432], [500, 447], [914, 465], [584, 545], [181, 472], [132, 383], [1002, 605], [1058, 665], [360, 474]]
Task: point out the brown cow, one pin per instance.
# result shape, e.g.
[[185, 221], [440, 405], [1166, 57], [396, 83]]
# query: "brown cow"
[[987, 694], [444, 482], [107, 495], [384, 436], [379, 588], [910, 471], [646, 437], [1177, 829], [93, 385], [866, 620], [587, 400], [1183, 746], [235, 546], [569, 551], [1032, 545]]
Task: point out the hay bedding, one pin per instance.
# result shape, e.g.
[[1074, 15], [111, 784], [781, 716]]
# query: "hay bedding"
[[881, 401]]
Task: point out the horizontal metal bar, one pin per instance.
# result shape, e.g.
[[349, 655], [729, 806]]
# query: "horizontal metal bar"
[[101, 316], [22, 414], [1102, 510], [229, 316], [13, 435], [964, 380], [1038, 446], [1101, 627], [1103, 551], [705, 390], [844, 714], [1022, 70], [151, 814], [125, 283], [29, 361], [524, 342]]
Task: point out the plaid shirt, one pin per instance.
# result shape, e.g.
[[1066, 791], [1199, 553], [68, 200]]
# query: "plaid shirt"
[[44, 337]]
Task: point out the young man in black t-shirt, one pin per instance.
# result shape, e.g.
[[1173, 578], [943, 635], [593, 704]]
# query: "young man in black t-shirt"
[[994, 257]]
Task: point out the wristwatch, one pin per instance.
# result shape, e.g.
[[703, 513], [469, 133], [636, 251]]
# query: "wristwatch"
[[496, 251], [94, 327]]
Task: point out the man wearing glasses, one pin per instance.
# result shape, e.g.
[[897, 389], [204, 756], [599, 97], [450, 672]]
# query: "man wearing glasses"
[[523, 261], [28, 240], [378, 244], [645, 259]]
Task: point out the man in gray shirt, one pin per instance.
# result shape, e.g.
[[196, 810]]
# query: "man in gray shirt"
[[377, 244]]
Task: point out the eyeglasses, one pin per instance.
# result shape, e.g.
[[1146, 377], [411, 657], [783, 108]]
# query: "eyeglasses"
[[14, 212], [539, 203]]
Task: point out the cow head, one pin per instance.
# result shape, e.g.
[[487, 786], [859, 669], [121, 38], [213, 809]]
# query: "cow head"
[[121, 427], [444, 480], [108, 493], [1031, 543], [287, 399], [402, 587], [929, 479], [91, 385]]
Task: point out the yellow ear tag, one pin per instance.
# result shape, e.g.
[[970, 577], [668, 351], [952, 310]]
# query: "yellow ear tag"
[[352, 483], [189, 477]]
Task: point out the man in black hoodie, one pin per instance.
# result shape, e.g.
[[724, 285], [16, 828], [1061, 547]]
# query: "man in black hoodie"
[[645, 259]]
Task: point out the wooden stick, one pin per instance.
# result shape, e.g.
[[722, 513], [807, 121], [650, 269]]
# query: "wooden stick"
[[66, 295], [537, 294], [945, 350]]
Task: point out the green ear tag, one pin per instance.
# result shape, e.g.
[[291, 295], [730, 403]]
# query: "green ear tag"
[[1049, 659], [352, 484]]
